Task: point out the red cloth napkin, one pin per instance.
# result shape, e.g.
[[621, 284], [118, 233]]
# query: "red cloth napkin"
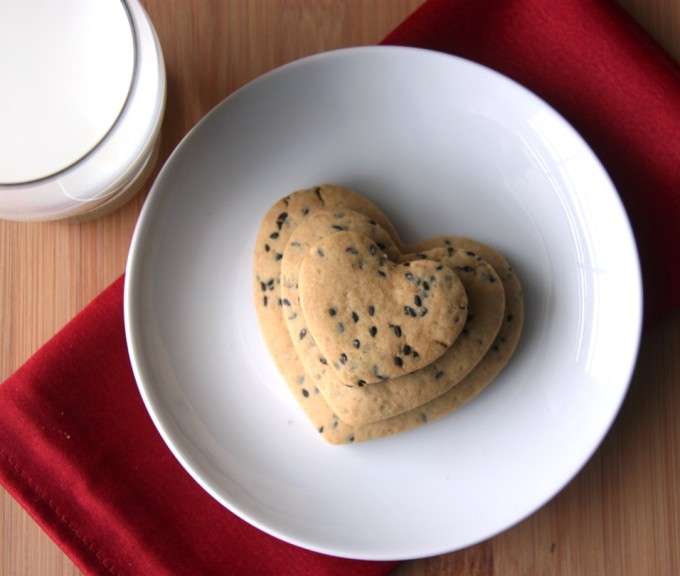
[[77, 447]]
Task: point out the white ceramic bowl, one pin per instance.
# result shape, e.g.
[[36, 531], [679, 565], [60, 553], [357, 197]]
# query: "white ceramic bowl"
[[444, 146]]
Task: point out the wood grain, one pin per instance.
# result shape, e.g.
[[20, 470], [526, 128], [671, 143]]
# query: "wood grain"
[[620, 515]]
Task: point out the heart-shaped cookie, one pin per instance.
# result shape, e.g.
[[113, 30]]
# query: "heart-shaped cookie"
[[383, 400], [359, 405], [336, 431], [373, 319], [318, 398]]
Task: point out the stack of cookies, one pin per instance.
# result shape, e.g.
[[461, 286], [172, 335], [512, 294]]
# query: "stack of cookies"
[[374, 337]]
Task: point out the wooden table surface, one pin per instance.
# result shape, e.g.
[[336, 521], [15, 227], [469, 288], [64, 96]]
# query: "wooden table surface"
[[619, 516]]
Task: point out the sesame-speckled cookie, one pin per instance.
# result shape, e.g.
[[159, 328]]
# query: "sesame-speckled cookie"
[[486, 304], [359, 405], [336, 431], [276, 226], [442, 397], [373, 319]]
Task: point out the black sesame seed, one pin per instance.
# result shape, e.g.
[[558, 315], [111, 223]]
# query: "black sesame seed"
[[409, 275], [426, 285], [323, 361], [305, 393], [352, 250], [382, 273], [320, 252], [305, 211], [372, 249], [439, 374], [339, 228], [361, 383], [281, 219], [303, 333], [355, 317], [356, 344], [263, 286], [332, 311], [398, 361], [320, 429], [267, 248], [373, 331], [409, 311], [265, 300], [418, 301], [396, 329], [285, 302], [406, 349], [371, 310], [274, 235], [341, 327], [278, 256], [422, 312], [343, 358]]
